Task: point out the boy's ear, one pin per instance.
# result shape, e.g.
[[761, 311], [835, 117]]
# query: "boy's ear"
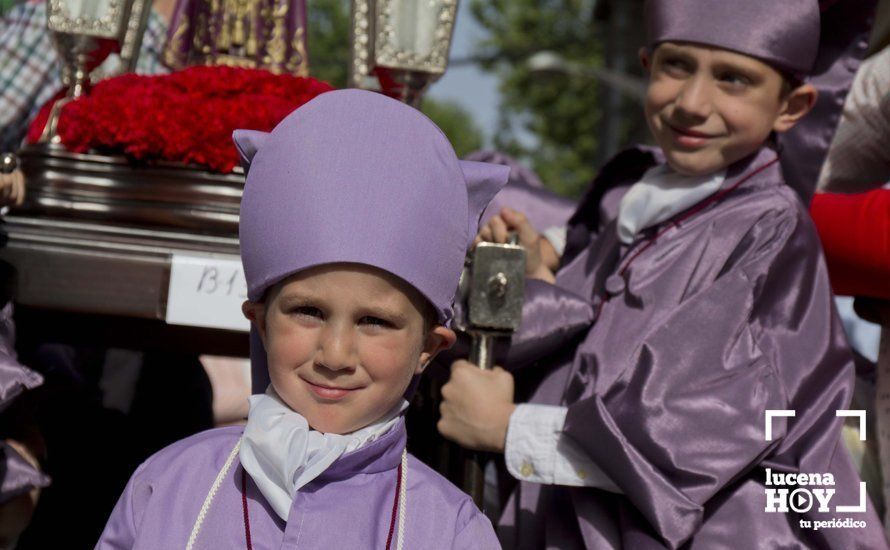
[[256, 314], [645, 58], [798, 103], [439, 338]]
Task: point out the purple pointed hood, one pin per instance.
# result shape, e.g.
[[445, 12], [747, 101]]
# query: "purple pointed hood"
[[354, 176]]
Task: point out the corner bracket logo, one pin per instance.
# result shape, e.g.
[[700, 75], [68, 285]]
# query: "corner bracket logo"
[[805, 492]]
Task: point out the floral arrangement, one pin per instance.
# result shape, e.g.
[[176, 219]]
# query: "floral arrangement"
[[187, 116]]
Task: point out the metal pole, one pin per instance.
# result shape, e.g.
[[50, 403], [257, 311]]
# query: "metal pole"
[[481, 355]]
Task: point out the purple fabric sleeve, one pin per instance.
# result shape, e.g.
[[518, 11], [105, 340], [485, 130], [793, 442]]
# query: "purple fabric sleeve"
[[15, 378], [477, 533], [647, 433], [551, 318], [120, 531], [19, 476]]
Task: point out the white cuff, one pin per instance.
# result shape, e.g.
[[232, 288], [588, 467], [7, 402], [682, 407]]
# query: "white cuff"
[[538, 451], [557, 236], [532, 436]]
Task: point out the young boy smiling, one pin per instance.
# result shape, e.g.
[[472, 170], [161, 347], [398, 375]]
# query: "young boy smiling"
[[349, 294], [709, 107], [343, 342], [691, 299]]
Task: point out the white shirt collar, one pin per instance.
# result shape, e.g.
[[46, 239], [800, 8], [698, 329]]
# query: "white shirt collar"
[[282, 453], [659, 195]]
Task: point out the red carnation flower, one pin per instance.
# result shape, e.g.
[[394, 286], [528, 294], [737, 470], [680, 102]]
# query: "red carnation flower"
[[187, 116]]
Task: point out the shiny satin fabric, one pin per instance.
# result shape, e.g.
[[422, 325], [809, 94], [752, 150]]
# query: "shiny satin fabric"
[[15, 378], [784, 34], [702, 325], [17, 475], [348, 506]]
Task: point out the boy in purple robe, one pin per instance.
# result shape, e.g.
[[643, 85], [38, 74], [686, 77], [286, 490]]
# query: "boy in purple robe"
[[691, 299], [355, 220]]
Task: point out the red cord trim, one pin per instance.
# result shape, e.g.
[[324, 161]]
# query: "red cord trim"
[[395, 509], [681, 218], [244, 507]]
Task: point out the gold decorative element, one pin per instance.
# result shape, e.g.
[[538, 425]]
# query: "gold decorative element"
[[174, 51], [298, 62], [224, 39], [252, 45], [241, 33], [277, 47], [234, 61]]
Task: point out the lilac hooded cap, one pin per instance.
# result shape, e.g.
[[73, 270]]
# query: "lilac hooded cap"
[[784, 33], [354, 176], [822, 42]]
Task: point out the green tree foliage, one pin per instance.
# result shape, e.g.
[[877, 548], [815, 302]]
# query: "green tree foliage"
[[559, 112], [6, 5], [329, 28]]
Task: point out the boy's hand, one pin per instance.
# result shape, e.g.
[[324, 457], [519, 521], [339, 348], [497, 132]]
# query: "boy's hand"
[[537, 248], [476, 407], [12, 188]]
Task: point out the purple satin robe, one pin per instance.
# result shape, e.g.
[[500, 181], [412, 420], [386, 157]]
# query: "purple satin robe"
[[18, 475], [348, 506], [698, 326], [525, 192]]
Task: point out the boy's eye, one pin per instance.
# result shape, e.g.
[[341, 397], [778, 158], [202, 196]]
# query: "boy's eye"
[[370, 320], [308, 312], [734, 79], [675, 66]]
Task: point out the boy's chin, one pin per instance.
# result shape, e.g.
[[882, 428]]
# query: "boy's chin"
[[329, 426], [695, 165], [335, 424]]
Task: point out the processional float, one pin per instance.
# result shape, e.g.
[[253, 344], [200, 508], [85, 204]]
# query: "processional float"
[[133, 242], [123, 234]]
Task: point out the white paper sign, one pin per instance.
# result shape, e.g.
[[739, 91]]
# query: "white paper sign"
[[207, 291]]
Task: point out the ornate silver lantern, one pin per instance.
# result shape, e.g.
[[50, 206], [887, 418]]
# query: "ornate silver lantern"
[[76, 25], [404, 43]]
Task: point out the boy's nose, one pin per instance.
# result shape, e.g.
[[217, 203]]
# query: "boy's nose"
[[694, 99], [337, 348]]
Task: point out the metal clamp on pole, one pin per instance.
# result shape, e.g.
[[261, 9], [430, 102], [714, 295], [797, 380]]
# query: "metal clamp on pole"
[[492, 288], [9, 162]]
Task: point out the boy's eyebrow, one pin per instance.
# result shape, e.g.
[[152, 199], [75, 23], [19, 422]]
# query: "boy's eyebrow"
[[299, 298], [294, 298], [673, 49], [750, 73], [674, 52], [384, 312]]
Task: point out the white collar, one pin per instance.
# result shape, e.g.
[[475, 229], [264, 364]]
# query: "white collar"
[[282, 454], [659, 195]]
